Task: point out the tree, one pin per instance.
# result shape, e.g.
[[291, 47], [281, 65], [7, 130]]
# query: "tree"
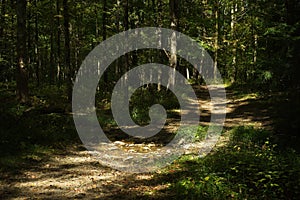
[[104, 32], [216, 37], [241, 36], [58, 56], [126, 27], [67, 48], [22, 76], [36, 48], [174, 11]]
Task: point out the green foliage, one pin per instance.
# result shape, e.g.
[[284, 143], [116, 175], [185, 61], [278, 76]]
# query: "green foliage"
[[197, 133], [144, 98], [201, 132], [248, 168], [106, 120], [249, 135]]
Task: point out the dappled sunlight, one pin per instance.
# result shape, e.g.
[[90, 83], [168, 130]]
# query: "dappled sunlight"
[[248, 109], [76, 174]]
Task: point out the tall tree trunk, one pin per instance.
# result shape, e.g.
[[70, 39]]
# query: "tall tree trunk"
[[216, 39], [58, 56], [36, 47], [29, 57], [174, 26], [134, 23], [67, 49], [160, 25], [22, 77], [117, 67], [51, 58], [233, 10], [76, 50], [104, 16], [12, 37], [126, 27]]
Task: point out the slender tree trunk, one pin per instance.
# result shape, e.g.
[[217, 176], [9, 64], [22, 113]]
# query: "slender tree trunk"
[[94, 42], [126, 27], [67, 49], [12, 37], [134, 23], [58, 56], [76, 50], [255, 36], [234, 44], [104, 16], [36, 47], [160, 54], [117, 67], [174, 26], [22, 77], [216, 39], [234, 51], [51, 58], [29, 57]]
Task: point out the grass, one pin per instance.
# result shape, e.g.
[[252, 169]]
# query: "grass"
[[249, 167]]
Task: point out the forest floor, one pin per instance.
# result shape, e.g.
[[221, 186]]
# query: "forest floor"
[[73, 173]]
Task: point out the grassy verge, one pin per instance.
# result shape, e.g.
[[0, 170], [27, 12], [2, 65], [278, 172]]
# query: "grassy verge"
[[249, 167]]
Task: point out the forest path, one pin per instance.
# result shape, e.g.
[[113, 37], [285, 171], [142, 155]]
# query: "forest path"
[[75, 174]]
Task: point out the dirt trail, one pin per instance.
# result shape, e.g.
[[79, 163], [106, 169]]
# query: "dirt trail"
[[77, 175]]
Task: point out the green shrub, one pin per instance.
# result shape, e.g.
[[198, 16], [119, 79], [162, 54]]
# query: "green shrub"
[[249, 134]]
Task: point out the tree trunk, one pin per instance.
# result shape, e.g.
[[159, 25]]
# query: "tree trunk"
[[117, 67], [234, 44], [51, 58], [67, 49], [174, 26], [104, 16], [160, 54], [126, 27], [36, 47], [216, 39], [22, 77], [52, 51], [58, 56], [29, 57]]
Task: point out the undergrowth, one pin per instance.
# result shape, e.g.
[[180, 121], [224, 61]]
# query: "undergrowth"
[[249, 167]]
